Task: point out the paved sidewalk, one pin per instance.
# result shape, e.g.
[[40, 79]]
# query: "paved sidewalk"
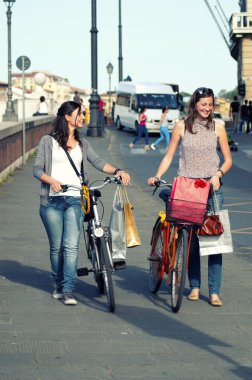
[[41, 339]]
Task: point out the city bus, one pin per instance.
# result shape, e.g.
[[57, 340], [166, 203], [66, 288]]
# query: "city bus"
[[154, 96]]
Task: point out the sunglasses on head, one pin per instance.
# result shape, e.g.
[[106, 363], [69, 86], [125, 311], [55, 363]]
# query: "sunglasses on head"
[[204, 91]]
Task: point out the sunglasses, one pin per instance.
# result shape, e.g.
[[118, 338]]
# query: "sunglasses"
[[204, 91]]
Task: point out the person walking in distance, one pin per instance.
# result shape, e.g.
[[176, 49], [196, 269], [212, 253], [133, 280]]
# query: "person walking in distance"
[[198, 136], [234, 111], [249, 127], [61, 213], [243, 116], [163, 125], [141, 130], [76, 97]]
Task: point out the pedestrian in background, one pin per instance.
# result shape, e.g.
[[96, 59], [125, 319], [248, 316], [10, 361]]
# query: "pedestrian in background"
[[243, 116], [61, 213], [163, 126], [249, 127], [76, 97], [141, 130], [234, 111], [198, 136], [42, 108]]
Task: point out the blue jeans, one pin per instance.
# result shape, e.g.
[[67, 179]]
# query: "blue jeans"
[[164, 134], [63, 218], [214, 261], [141, 130]]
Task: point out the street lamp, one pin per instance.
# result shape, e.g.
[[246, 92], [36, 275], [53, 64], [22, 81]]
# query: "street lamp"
[[120, 58], [110, 71], [10, 114], [94, 127]]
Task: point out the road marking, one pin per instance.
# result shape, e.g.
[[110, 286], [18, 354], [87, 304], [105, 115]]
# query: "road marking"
[[238, 204], [242, 230], [241, 212], [248, 152]]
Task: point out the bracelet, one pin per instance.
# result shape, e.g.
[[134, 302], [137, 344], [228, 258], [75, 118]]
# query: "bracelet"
[[116, 171], [222, 174]]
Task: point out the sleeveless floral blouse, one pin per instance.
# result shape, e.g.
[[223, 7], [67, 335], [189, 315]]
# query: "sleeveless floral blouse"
[[198, 156]]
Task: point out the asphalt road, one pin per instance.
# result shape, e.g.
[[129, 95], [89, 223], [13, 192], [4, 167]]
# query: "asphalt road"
[[42, 339]]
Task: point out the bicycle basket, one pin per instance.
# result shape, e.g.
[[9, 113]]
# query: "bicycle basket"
[[185, 211]]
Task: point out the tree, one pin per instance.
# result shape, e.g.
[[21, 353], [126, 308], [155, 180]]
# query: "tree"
[[228, 94]]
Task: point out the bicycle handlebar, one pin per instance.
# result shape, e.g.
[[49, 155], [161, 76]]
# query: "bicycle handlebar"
[[106, 181], [160, 182]]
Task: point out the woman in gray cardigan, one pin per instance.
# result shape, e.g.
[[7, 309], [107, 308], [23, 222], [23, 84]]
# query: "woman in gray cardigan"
[[61, 214]]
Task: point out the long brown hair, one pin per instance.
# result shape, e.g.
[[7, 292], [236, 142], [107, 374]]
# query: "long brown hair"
[[201, 92], [60, 129]]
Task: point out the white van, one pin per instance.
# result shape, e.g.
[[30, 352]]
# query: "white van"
[[154, 96]]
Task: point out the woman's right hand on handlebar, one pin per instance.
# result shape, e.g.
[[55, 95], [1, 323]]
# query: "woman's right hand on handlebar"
[[56, 186], [152, 181]]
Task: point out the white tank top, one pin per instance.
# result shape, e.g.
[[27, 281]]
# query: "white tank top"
[[63, 171]]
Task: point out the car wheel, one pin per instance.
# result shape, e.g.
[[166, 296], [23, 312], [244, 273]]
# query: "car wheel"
[[118, 124]]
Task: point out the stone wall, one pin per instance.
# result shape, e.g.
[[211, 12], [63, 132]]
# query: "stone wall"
[[11, 141]]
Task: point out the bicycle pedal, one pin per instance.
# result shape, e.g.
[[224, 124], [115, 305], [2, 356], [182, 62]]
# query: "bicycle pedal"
[[120, 264], [82, 272]]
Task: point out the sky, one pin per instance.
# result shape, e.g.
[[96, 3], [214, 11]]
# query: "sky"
[[162, 41]]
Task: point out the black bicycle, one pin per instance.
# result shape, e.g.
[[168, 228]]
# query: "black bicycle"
[[97, 238]]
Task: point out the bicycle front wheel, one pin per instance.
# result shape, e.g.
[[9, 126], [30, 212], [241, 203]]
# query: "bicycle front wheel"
[[92, 252], [156, 271], [179, 270], [106, 270]]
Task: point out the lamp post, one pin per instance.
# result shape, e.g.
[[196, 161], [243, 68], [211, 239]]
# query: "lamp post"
[[10, 114], [110, 71], [120, 58], [94, 127]]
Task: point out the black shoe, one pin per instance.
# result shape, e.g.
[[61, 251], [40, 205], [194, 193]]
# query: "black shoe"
[[119, 264]]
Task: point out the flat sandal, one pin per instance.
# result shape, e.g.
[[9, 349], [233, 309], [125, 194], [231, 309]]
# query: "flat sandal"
[[194, 295], [216, 302]]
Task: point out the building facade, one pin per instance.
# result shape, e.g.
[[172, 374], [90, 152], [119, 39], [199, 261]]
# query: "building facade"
[[241, 46]]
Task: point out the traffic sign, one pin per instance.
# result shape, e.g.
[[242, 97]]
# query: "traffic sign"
[[23, 62]]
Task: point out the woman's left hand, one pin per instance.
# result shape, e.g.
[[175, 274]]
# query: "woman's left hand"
[[124, 177], [215, 181]]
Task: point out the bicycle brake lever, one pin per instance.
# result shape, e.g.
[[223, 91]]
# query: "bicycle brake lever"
[[107, 179], [155, 190]]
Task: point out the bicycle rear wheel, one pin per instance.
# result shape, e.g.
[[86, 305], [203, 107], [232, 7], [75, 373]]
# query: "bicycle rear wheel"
[[179, 271], [156, 271], [106, 270]]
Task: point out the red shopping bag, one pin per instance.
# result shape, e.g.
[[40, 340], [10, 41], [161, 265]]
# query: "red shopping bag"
[[188, 200]]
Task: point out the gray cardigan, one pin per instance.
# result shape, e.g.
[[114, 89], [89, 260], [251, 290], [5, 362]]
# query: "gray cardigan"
[[43, 163]]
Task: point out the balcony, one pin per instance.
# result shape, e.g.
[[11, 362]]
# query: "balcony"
[[240, 25]]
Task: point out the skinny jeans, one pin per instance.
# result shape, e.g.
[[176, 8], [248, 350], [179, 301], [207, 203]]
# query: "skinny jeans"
[[164, 135], [63, 218], [142, 130]]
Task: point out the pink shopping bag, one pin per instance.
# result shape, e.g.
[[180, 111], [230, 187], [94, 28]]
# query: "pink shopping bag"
[[188, 199]]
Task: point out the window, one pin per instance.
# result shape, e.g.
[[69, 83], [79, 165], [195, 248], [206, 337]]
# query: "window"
[[157, 101]]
